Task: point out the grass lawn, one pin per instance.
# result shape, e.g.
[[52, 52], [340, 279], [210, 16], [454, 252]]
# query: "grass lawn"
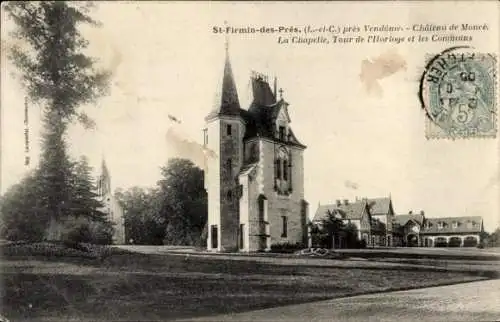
[[132, 287]]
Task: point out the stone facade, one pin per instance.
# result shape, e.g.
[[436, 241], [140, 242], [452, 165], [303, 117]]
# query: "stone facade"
[[255, 184]]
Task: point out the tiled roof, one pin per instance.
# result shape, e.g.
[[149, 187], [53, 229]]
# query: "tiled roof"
[[379, 206], [464, 225], [353, 211], [403, 219], [377, 225]]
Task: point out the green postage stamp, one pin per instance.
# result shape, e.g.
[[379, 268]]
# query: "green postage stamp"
[[458, 91]]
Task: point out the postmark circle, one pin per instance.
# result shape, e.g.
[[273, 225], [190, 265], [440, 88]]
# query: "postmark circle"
[[457, 91]]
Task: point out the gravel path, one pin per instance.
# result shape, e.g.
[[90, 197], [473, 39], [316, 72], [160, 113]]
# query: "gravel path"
[[475, 301]]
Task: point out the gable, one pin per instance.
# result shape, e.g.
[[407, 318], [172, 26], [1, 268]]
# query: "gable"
[[282, 116]]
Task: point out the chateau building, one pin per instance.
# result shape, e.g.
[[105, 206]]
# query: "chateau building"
[[255, 178], [111, 206]]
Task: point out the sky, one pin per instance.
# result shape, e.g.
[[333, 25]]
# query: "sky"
[[166, 61]]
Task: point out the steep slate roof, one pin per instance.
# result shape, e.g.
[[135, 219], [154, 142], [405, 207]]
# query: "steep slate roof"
[[353, 210], [431, 225], [379, 206], [226, 101], [403, 219], [261, 116]]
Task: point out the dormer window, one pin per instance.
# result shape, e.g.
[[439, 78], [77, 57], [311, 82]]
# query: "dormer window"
[[282, 133], [455, 225], [440, 225]]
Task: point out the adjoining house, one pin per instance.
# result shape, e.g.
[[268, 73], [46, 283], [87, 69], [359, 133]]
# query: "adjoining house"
[[451, 232], [382, 210], [415, 230], [255, 180], [356, 213], [379, 226], [407, 228]]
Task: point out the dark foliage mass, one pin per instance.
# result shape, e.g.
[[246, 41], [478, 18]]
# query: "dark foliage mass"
[[25, 215], [61, 78], [172, 213]]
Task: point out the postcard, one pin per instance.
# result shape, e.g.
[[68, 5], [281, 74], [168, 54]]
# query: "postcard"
[[250, 160]]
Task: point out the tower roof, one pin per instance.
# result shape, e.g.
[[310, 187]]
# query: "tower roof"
[[104, 169], [227, 102]]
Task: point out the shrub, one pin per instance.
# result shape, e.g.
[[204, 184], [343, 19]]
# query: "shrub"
[[101, 233], [84, 231], [286, 247]]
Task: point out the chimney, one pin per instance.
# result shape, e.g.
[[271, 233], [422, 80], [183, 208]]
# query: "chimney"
[[410, 212], [346, 202], [422, 213], [338, 202]]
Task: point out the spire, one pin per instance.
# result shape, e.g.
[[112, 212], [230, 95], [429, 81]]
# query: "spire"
[[104, 184], [227, 102]]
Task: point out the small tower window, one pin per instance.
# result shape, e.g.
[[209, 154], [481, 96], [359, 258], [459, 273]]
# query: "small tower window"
[[228, 129], [229, 195], [282, 133]]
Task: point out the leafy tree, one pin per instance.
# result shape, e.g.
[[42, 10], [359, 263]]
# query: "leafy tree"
[[493, 239], [25, 215], [22, 217], [332, 232], [84, 200], [183, 202], [143, 224], [61, 78]]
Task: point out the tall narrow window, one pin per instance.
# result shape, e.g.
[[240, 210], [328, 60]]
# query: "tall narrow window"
[[228, 129], [282, 133], [214, 236], [285, 226], [229, 195], [285, 170], [261, 208], [278, 168], [229, 165], [242, 236]]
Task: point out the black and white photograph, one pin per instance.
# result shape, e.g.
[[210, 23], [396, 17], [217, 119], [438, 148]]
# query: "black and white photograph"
[[249, 161]]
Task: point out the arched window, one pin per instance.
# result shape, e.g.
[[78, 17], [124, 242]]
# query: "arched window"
[[285, 170]]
